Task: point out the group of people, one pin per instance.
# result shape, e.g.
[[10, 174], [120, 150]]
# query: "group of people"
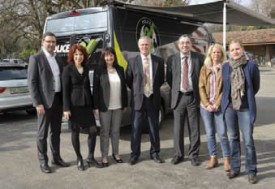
[[221, 91]]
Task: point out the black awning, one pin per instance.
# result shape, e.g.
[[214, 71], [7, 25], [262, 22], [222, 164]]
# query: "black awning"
[[212, 13]]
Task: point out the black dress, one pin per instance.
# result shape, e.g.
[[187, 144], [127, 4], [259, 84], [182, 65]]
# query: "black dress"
[[77, 96]]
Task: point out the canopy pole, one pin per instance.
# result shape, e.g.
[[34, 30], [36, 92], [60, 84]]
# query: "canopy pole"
[[224, 25]]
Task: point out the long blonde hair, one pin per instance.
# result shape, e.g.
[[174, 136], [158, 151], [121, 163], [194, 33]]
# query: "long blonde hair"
[[208, 59]]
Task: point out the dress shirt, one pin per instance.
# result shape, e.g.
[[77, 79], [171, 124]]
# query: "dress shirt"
[[55, 70]]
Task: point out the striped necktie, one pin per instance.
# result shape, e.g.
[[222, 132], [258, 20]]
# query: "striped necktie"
[[185, 83]]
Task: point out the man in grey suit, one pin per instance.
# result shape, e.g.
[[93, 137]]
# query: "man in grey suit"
[[44, 81], [144, 76], [183, 71]]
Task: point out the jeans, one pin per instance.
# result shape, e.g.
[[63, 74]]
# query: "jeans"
[[213, 121], [240, 120]]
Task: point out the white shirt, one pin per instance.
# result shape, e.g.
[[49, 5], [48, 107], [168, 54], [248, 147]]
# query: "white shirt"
[[150, 68], [55, 70], [189, 73], [115, 91]]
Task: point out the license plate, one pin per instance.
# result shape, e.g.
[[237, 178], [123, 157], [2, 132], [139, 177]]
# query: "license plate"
[[18, 90]]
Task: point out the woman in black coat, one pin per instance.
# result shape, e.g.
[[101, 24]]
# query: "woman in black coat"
[[78, 102], [110, 99]]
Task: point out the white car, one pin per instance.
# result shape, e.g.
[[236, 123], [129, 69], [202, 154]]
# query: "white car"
[[14, 93]]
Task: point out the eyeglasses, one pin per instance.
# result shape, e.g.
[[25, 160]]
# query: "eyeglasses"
[[48, 41]]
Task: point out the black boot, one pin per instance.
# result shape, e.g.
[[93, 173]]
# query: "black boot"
[[80, 165]]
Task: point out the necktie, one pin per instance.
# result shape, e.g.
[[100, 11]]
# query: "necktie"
[[146, 77], [185, 83]]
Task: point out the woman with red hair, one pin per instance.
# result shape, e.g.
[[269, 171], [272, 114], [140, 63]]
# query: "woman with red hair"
[[78, 102]]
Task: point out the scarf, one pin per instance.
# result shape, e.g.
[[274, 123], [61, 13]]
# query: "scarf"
[[237, 81]]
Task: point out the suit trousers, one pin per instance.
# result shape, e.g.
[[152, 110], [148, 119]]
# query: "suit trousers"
[[110, 127], [149, 112], [186, 111], [52, 118]]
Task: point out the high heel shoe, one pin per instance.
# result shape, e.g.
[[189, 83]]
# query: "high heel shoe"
[[93, 162], [117, 160], [80, 165]]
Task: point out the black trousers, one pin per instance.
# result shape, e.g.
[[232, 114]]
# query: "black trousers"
[[149, 112], [51, 119]]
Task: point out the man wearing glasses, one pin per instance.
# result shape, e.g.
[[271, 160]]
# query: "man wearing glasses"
[[44, 81]]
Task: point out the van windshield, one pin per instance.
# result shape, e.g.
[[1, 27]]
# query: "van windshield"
[[95, 22]]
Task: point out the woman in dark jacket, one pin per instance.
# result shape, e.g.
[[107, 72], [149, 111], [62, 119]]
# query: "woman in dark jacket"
[[110, 99], [78, 102], [241, 82]]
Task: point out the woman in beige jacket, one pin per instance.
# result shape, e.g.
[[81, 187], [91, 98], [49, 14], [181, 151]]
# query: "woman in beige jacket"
[[210, 89]]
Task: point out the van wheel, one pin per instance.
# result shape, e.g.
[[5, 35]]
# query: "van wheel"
[[161, 116], [31, 111]]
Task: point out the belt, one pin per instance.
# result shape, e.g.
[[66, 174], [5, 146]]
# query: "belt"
[[189, 93]]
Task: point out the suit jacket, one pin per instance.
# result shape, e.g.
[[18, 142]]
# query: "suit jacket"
[[173, 75], [76, 87], [135, 80], [101, 88], [41, 80], [252, 86]]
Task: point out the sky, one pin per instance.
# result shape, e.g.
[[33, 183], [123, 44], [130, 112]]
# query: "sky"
[[243, 2]]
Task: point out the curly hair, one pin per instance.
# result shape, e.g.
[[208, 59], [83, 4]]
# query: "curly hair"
[[106, 51], [73, 49]]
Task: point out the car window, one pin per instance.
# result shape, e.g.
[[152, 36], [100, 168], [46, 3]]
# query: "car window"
[[10, 73]]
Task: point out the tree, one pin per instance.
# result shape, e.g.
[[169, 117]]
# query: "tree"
[[22, 21], [263, 7]]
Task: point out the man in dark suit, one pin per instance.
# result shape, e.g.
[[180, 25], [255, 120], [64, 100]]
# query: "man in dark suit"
[[183, 71], [144, 76], [44, 81]]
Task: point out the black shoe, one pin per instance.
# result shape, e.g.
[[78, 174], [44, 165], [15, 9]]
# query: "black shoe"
[[80, 165], [232, 174], [92, 162], [117, 160], [176, 160], [157, 159], [105, 164], [133, 160], [195, 161], [45, 168], [252, 179], [60, 163]]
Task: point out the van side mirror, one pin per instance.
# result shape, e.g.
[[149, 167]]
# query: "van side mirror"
[[107, 38]]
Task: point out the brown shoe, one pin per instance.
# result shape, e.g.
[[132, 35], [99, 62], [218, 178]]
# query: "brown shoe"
[[226, 164], [252, 179], [213, 162]]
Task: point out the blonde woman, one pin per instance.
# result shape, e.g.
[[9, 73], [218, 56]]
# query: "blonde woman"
[[210, 88]]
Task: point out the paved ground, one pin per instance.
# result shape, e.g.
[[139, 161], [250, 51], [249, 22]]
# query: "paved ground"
[[19, 166]]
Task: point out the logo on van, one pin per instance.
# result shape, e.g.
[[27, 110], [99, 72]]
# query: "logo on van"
[[146, 27], [89, 44]]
